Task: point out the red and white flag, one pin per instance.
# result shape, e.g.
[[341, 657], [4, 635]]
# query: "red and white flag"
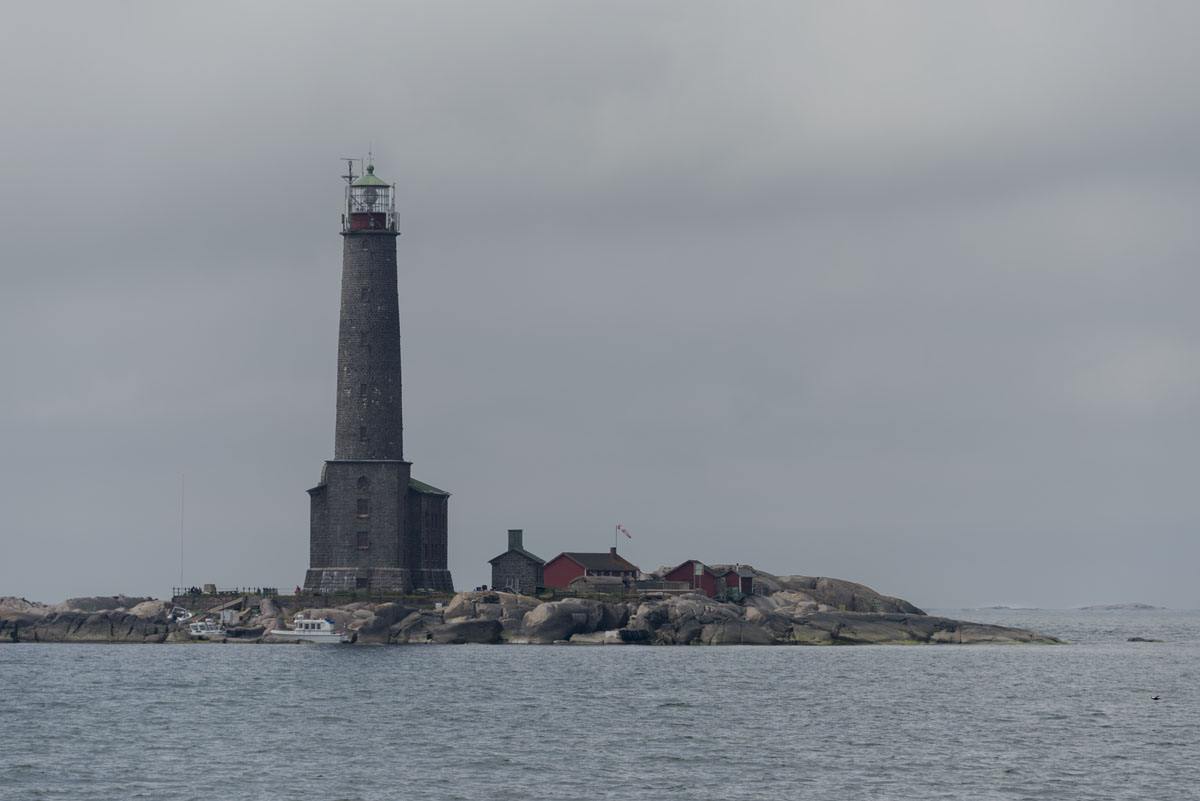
[[624, 531]]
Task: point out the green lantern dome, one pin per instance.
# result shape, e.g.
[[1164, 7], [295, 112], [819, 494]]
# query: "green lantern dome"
[[370, 179]]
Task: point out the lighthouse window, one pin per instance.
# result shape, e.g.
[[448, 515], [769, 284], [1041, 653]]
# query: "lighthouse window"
[[363, 541], [364, 507]]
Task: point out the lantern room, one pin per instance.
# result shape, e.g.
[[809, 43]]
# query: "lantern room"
[[370, 204]]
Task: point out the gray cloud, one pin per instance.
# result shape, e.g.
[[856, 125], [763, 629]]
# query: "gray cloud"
[[900, 294]]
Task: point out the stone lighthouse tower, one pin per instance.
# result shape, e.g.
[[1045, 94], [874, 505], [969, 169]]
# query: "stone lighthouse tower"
[[373, 526]]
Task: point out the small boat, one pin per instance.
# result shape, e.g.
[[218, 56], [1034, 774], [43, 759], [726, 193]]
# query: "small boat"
[[313, 630], [207, 629]]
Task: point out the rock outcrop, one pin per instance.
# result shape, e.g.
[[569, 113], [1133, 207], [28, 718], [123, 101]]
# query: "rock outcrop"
[[787, 617], [378, 628], [482, 631], [836, 594], [100, 603], [105, 626], [784, 610]]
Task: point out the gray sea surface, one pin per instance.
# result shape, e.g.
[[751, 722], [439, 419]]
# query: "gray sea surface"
[[213, 722]]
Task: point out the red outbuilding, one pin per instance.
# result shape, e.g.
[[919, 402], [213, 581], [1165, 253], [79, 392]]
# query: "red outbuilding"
[[698, 575], [569, 565], [741, 578], [712, 581]]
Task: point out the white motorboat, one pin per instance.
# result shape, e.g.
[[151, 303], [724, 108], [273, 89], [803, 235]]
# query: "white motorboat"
[[313, 630], [207, 629]]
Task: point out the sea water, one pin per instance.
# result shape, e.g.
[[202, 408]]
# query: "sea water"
[[216, 722]]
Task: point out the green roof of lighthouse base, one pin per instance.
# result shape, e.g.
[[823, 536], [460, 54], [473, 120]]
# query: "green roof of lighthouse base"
[[423, 488]]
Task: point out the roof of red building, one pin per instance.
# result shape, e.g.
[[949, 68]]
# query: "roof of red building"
[[742, 570], [599, 561], [686, 562]]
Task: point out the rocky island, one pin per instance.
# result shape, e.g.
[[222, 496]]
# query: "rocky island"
[[788, 610]]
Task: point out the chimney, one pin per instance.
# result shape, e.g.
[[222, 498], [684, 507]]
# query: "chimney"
[[514, 539]]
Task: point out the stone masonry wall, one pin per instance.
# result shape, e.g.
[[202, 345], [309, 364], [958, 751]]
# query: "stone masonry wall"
[[369, 414], [516, 571], [366, 501]]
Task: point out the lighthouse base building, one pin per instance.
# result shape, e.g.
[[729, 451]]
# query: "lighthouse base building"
[[372, 525], [395, 542]]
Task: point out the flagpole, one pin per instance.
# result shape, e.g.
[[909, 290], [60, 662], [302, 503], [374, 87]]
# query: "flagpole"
[[181, 489]]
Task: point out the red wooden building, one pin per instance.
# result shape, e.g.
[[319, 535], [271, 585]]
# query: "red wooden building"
[[712, 581], [569, 565]]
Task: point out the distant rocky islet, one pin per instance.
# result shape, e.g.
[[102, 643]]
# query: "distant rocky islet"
[[785, 610]]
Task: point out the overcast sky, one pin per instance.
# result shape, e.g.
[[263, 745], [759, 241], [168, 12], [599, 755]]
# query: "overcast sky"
[[902, 293]]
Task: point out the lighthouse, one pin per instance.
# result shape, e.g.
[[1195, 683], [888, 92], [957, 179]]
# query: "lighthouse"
[[372, 525]]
